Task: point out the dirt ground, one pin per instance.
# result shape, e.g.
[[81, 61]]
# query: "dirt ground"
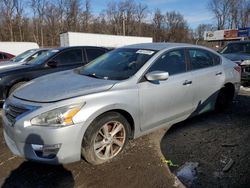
[[212, 140], [139, 165]]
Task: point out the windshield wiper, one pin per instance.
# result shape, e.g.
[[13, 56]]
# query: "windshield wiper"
[[93, 76]]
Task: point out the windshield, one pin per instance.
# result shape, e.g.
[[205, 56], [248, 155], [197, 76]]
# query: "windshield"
[[237, 48], [23, 55], [42, 57], [35, 55], [119, 64]]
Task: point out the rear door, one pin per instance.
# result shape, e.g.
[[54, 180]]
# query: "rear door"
[[168, 100], [207, 78]]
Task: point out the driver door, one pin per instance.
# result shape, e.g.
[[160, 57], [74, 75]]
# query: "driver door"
[[168, 100]]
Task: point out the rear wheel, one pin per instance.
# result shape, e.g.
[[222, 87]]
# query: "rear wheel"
[[105, 138], [224, 99], [15, 86]]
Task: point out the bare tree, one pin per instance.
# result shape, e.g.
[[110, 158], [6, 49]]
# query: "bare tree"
[[86, 15], [38, 7], [7, 10], [18, 4], [158, 22], [220, 9], [141, 14], [72, 14], [176, 27], [200, 30], [47, 19], [114, 18], [244, 14]]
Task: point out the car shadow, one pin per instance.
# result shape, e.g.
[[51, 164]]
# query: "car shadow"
[[33, 174], [30, 174]]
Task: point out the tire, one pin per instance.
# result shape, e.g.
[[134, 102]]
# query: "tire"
[[224, 99], [15, 86], [101, 143]]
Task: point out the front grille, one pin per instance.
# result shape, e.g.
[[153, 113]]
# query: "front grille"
[[246, 69], [12, 112]]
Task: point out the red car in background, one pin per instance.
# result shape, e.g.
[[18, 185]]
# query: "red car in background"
[[5, 56]]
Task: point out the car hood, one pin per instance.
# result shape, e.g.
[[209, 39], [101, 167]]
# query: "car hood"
[[238, 57], [60, 86], [8, 64]]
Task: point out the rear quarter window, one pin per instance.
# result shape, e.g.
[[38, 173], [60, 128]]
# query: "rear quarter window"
[[217, 59]]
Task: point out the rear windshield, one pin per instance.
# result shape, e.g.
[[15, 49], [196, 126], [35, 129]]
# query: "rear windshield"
[[119, 64], [237, 48]]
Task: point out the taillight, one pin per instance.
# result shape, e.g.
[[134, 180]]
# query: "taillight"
[[237, 68]]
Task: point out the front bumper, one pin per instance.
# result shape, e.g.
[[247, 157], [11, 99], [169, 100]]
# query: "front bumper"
[[21, 139]]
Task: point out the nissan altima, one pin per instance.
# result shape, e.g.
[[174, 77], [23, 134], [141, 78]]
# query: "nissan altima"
[[93, 110]]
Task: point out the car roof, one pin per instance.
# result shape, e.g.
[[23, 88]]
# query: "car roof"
[[69, 47], [240, 42], [6, 53], [38, 49], [159, 45]]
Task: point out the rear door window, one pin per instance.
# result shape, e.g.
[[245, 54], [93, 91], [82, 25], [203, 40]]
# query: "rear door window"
[[93, 53], [200, 59], [69, 57], [172, 62]]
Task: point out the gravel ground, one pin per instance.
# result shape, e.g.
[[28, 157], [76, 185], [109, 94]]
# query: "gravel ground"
[[211, 141]]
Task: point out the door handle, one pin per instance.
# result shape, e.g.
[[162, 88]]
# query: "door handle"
[[187, 82], [218, 73]]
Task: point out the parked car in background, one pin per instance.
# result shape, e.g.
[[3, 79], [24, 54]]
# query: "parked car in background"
[[239, 52], [53, 60], [23, 58], [5, 56], [91, 111]]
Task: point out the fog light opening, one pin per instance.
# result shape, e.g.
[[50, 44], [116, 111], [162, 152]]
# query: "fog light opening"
[[46, 151]]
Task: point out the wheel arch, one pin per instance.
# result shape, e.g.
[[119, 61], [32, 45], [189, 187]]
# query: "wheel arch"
[[8, 88], [230, 89], [128, 116]]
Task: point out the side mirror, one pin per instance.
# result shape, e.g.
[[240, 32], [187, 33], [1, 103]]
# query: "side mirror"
[[157, 76], [52, 64]]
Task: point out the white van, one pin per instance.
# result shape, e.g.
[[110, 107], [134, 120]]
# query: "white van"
[[17, 48]]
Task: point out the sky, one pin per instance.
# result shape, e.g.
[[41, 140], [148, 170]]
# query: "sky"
[[194, 11]]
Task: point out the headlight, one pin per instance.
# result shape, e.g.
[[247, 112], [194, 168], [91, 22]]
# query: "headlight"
[[245, 62], [59, 117]]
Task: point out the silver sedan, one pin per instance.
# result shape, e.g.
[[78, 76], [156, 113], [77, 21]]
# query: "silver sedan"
[[92, 111]]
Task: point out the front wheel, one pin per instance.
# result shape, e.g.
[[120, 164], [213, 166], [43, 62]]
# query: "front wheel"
[[105, 138]]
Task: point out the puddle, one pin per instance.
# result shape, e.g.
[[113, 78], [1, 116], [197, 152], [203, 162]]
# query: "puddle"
[[187, 173]]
